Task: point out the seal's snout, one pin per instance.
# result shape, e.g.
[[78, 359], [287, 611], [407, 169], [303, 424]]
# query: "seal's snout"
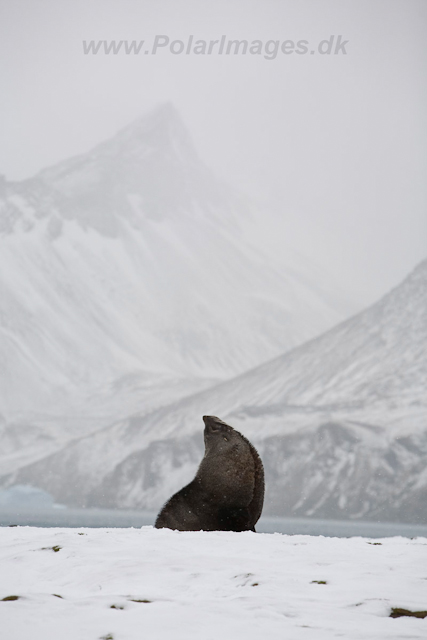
[[213, 423]]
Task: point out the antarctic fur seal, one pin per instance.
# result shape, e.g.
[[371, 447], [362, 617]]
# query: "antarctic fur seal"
[[227, 493]]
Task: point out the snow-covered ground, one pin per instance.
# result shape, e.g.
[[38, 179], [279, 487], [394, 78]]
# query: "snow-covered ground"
[[128, 584]]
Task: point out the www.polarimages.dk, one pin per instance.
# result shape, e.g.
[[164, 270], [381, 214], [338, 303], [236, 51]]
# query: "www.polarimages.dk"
[[269, 49]]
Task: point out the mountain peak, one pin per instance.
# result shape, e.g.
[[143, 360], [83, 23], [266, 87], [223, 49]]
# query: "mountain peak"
[[163, 116], [161, 128], [161, 132], [149, 169]]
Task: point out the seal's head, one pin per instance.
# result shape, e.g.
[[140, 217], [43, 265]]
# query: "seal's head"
[[215, 426], [219, 435]]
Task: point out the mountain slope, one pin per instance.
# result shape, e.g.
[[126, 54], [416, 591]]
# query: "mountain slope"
[[341, 424], [128, 279]]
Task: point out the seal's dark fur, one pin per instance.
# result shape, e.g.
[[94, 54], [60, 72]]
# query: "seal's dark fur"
[[227, 493]]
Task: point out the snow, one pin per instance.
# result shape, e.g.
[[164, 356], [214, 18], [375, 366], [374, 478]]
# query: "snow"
[[142, 286], [123, 261], [207, 585], [348, 406]]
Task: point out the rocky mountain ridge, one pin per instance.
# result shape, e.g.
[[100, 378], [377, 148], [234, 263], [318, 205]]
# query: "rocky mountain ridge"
[[340, 422]]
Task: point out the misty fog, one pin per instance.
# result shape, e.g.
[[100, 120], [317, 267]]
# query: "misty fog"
[[227, 218]]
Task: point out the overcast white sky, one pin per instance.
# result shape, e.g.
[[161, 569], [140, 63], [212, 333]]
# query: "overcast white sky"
[[336, 143]]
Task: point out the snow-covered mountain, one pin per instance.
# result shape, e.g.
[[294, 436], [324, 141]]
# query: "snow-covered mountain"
[[130, 277], [340, 422]]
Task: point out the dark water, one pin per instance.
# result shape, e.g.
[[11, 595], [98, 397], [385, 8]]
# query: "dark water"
[[59, 517]]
